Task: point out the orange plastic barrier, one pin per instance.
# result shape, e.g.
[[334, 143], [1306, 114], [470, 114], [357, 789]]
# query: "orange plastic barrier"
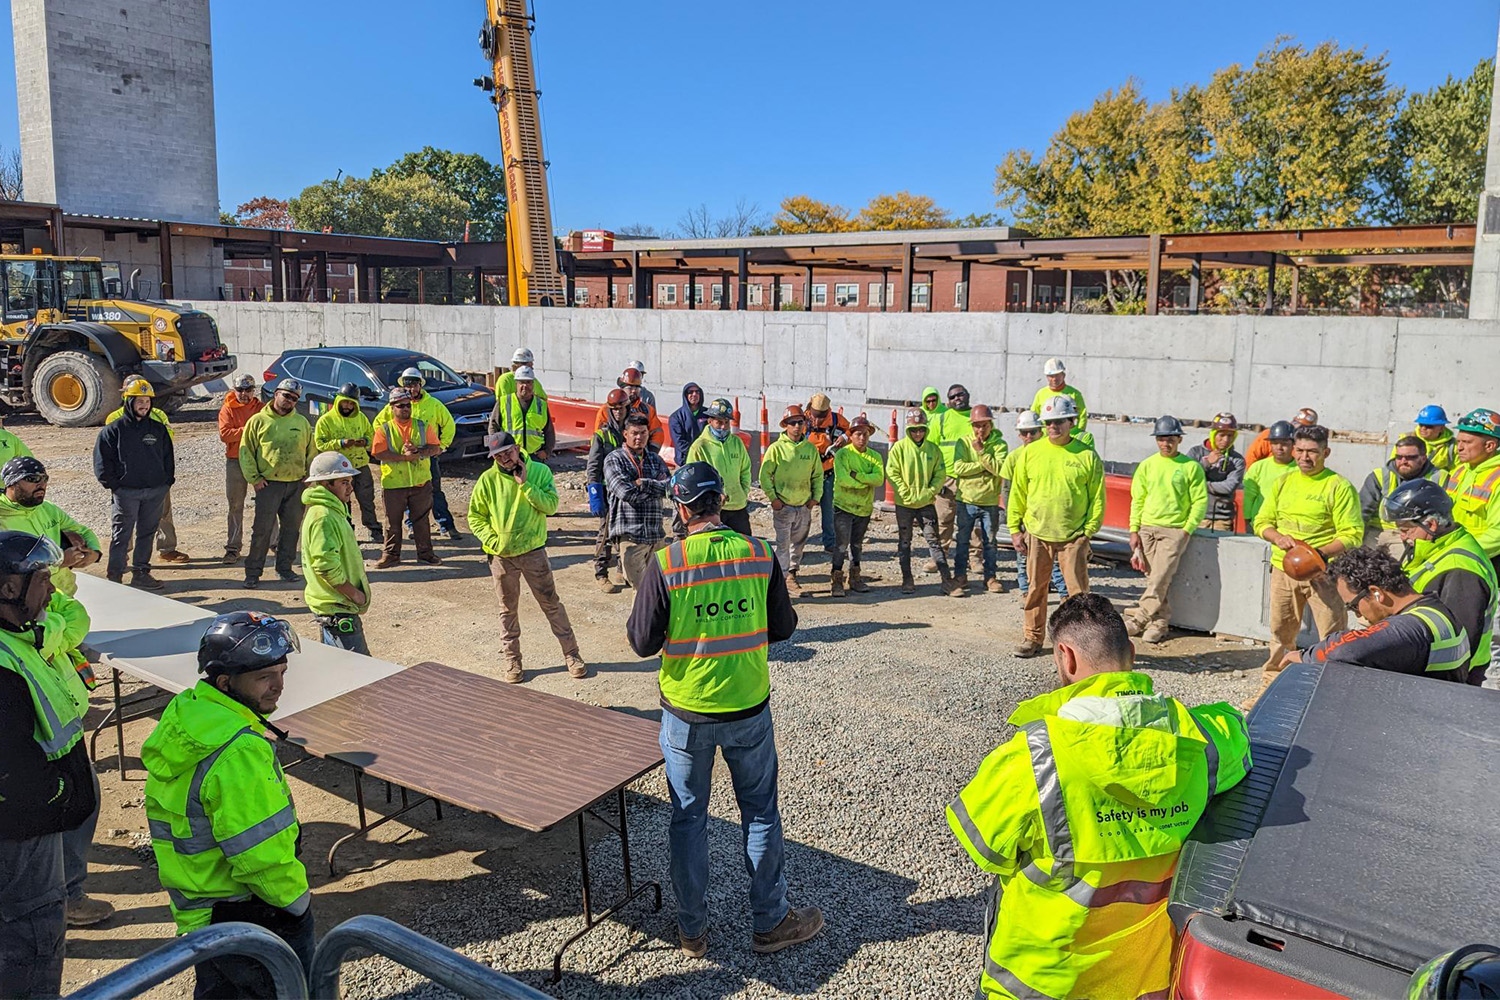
[[1117, 505]]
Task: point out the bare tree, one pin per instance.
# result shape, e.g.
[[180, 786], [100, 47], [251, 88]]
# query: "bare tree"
[[742, 220], [10, 174]]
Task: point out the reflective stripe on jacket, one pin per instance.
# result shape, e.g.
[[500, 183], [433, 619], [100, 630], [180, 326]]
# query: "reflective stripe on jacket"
[[57, 721], [526, 423], [1080, 817], [223, 826], [1458, 552], [1450, 646], [1473, 489], [714, 658], [1379, 484], [333, 429], [401, 475]]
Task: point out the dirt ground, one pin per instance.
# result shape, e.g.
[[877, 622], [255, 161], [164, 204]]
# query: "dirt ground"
[[447, 613]]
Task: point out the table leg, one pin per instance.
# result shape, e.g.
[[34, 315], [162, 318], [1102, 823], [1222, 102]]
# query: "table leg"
[[119, 723], [365, 826]]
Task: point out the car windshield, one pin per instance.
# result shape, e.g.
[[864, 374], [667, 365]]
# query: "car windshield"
[[438, 375]]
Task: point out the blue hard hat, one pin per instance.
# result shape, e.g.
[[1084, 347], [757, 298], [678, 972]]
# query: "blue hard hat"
[[1432, 415]]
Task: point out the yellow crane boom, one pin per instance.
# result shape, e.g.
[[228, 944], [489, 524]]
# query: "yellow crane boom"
[[533, 275]]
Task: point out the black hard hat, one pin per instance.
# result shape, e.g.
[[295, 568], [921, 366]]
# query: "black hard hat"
[[1468, 973], [244, 641], [694, 480], [22, 553], [1415, 501], [1281, 430], [719, 408], [1167, 426], [19, 468], [349, 390]]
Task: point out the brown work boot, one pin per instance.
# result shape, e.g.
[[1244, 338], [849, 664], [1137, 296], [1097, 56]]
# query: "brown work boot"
[[173, 556], [430, 558], [512, 673], [1156, 632], [693, 947], [576, 667], [961, 579], [142, 579], [953, 586], [797, 926], [836, 589], [908, 586], [857, 581], [606, 585], [994, 586], [386, 562], [230, 557], [930, 566], [792, 586], [1028, 649], [86, 911], [1133, 627]]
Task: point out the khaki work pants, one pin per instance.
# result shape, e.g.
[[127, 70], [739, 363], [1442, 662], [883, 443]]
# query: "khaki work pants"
[[1072, 557], [946, 503], [1163, 548], [1225, 524], [635, 557], [1288, 600], [235, 488], [792, 525], [508, 571], [166, 530]]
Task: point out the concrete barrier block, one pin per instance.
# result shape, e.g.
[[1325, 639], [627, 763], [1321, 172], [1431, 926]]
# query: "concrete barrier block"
[[778, 348], [1360, 397], [1094, 339], [809, 354], [848, 347], [1358, 342], [1223, 585], [1141, 387], [1044, 335]]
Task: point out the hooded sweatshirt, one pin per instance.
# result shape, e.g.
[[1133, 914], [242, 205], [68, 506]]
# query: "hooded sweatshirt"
[[330, 555], [134, 452], [733, 462], [934, 410], [686, 423], [246, 841], [276, 448], [915, 470], [510, 518], [233, 416], [1224, 477], [333, 429], [48, 520]]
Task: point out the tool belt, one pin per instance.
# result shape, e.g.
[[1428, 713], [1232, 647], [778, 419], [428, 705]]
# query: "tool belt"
[[339, 624]]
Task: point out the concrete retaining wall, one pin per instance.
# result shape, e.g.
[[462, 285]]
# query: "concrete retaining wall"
[[1365, 375]]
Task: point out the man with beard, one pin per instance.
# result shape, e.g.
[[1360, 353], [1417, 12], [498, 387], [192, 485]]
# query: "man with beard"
[[274, 454], [25, 507], [345, 429]]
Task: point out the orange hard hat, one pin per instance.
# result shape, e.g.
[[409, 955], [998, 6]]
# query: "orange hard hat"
[[616, 397], [1306, 417], [1302, 562], [980, 414], [630, 377], [861, 423], [793, 412]]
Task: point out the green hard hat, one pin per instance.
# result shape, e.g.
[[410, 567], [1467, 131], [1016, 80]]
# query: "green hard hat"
[[1481, 421]]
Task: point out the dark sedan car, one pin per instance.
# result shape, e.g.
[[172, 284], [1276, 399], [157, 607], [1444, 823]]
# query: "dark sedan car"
[[322, 370]]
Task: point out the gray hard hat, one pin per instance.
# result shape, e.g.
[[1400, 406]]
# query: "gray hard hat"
[[244, 380], [330, 465], [290, 385], [1167, 426]]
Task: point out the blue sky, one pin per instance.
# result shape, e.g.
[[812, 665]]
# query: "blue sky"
[[650, 108]]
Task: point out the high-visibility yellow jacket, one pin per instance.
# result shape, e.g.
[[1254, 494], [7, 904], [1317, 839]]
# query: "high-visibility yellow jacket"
[[63, 628], [333, 429], [1316, 509], [1379, 484], [276, 448], [429, 410], [47, 520], [1080, 817], [733, 462], [1056, 491], [792, 472], [1046, 392], [160, 416], [222, 823], [1169, 492], [505, 385], [856, 477], [1440, 451], [1259, 478], [57, 713], [952, 426], [392, 435], [330, 555], [1473, 490], [12, 446], [1457, 552], [510, 518], [527, 423], [916, 471], [978, 471]]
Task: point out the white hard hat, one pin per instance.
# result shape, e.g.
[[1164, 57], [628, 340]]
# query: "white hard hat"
[[415, 373], [1054, 366], [1059, 407], [1028, 421], [330, 465], [639, 366], [523, 356], [525, 373]]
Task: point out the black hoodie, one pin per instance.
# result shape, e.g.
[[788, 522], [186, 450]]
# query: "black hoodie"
[[134, 452]]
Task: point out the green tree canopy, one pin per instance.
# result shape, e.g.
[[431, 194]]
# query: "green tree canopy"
[[474, 179], [1437, 168], [386, 204]]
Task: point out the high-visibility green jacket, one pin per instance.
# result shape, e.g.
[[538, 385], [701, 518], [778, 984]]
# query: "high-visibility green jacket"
[[1473, 490], [1457, 552], [505, 385], [526, 423], [952, 426], [916, 471], [978, 472], [856, 478], [333, 429], [57, 717], [1440, 452], [399, 475], [330, 555], [733, 462], [1046, 392], [63, 628], [223, 826], [934, 411], [12, 446], [1169, 492], [429, 410], [792, 473], [1056, 491], [714, 658], [510, 518], [1316, 509], [1379, 484], [1259, 478], [276, 448], [47, 520], [1080, 817], [160, 416]]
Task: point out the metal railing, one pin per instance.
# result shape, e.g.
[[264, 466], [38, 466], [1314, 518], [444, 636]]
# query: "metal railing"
[[402, 945], [214, 941]]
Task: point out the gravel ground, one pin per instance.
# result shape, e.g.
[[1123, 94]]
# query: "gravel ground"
[[884, 707]]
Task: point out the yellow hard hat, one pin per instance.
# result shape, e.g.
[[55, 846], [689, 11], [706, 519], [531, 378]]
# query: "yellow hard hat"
[[137, 386]]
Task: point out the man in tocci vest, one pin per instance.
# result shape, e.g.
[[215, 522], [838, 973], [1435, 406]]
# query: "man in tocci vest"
[[1081, 815], [403, 444], [1409, 461], [47, 785], [1444, 561], [1476, 479], [710, 604], [223, 826], [525, 416]]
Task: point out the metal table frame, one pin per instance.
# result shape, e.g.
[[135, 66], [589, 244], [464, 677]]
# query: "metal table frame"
[[118, 717]]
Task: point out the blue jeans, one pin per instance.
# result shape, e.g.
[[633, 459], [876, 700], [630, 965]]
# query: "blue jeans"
[[343, 631], [749, 748], [440, 512], [1022, 580], [988, 520], [830, 538]]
